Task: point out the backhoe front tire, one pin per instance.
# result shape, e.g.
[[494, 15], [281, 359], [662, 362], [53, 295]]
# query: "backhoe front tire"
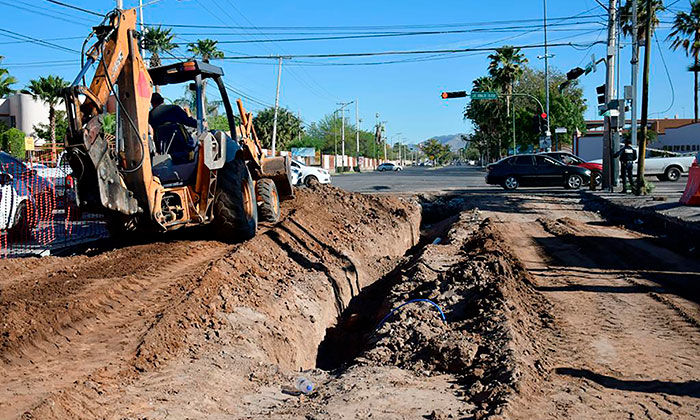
[[235, 209], [268, 200]]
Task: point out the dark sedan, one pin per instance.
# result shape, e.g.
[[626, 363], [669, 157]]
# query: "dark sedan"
[[535, 171]]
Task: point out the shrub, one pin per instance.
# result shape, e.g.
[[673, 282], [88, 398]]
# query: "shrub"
[[12, 141]]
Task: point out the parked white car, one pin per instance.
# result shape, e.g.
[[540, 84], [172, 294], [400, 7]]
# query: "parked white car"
[[664, 168], [308, 175], [388, 166], [15, 206]]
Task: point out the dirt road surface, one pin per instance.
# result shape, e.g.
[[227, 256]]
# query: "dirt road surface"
[[521, 305], [627, 336]]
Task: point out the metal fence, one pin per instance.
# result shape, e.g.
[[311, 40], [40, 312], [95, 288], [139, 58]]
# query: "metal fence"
[[39, 214]]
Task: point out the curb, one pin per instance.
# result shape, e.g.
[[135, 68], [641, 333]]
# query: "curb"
[[684, 233]]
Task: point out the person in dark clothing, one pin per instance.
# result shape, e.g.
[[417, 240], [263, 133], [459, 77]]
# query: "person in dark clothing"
[[627, 155], [170, 136]]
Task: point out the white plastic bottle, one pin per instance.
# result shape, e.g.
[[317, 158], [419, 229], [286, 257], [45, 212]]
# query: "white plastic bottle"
[[304, 385]]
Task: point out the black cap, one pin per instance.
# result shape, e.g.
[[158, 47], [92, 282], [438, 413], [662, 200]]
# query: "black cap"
[[628, 141]]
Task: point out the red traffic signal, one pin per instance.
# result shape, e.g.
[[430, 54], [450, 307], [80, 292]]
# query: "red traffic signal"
[[458, 94], [543, 115]]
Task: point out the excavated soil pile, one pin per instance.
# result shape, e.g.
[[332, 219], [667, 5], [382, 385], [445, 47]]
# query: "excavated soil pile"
[[416, 365], [190, 328]]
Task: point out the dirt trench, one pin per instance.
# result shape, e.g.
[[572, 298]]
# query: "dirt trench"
[[149, 328]]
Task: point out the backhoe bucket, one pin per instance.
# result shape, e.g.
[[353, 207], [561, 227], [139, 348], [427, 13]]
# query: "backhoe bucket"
[[279, 170]]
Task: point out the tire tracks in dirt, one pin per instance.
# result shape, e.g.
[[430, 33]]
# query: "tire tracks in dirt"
[[626, 341]]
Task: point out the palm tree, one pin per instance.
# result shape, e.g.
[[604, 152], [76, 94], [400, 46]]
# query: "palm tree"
[[157, 41], [6, 81], [205, 49], [626, 18], [49, 90], [505, 68], [686, 35]]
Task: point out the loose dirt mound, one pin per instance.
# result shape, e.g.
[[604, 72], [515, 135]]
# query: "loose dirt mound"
[[132, 331], [417, 365]]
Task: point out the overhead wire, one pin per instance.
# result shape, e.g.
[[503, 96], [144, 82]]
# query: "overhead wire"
[[16, 35]]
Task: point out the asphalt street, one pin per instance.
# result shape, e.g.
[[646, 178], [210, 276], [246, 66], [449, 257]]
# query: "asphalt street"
[[449, 178]]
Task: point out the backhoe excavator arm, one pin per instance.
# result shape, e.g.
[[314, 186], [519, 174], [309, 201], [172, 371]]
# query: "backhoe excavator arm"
[[112, 178]]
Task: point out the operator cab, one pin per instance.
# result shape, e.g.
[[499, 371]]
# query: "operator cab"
[[176, 147]]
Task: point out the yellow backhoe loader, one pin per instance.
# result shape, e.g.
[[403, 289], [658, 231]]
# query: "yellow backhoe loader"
[[133, 180]]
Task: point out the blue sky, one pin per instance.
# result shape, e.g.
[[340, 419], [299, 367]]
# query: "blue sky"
[[406, 95]]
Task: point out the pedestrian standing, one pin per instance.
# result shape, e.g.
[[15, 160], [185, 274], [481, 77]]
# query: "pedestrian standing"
[[627, 155]]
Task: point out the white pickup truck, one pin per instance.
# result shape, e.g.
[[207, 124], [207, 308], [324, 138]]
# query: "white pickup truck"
[[664, 168]]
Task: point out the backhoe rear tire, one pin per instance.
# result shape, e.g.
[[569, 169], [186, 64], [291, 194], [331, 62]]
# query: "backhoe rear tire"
[[268, 200], [235, 209]]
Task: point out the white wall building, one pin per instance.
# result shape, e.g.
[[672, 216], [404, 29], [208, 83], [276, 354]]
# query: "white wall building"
[[674, 135], [23, 112]]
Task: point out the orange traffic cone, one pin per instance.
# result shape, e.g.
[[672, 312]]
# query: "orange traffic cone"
[[691, 195]]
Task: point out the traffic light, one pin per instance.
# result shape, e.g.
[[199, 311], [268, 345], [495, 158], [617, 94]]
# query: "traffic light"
[[600, 91], [457, 94], [543, 123], [574, 73], [539, 123]]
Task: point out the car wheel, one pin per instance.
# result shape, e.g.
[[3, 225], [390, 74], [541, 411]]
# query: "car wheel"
[[574, 182], [673, 174], [510, 183], [310, 180], [597, 179], [398, 169]]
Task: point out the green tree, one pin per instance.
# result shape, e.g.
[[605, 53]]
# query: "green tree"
[[505, 68], [6, 81], [49, 90], [488, 118], [205, 49], [288, 126], [686, 35], [157, 40], [43, 130], [435, 151], [567, 107], [12, 141]]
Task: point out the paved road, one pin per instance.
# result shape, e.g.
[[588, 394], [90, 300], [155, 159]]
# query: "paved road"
[[411, 180], [450, 178]]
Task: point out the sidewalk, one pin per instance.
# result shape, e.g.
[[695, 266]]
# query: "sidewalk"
[[659, 211]]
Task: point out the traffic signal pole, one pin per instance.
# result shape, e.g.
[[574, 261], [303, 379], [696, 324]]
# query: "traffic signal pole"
[[609, 95]]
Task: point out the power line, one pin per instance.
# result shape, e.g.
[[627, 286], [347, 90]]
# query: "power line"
[[389, 35], [19, 36], [375, 27], [407, 52], [41, 13], [70, 6]]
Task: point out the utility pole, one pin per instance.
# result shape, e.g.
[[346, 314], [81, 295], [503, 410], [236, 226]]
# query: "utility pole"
[[120, 4], [357, 135], [140, 25], [546, 66], [635, 71], [277, 106], [342, 133], [335, 136], [641, 185], [609, 95], [299, 119]]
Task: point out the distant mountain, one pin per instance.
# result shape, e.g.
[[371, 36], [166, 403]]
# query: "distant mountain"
[[453, 140]]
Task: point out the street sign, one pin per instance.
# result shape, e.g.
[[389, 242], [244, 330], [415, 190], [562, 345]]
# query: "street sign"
[[28, 143], [560, 130], [483, 95], [545, 142]]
